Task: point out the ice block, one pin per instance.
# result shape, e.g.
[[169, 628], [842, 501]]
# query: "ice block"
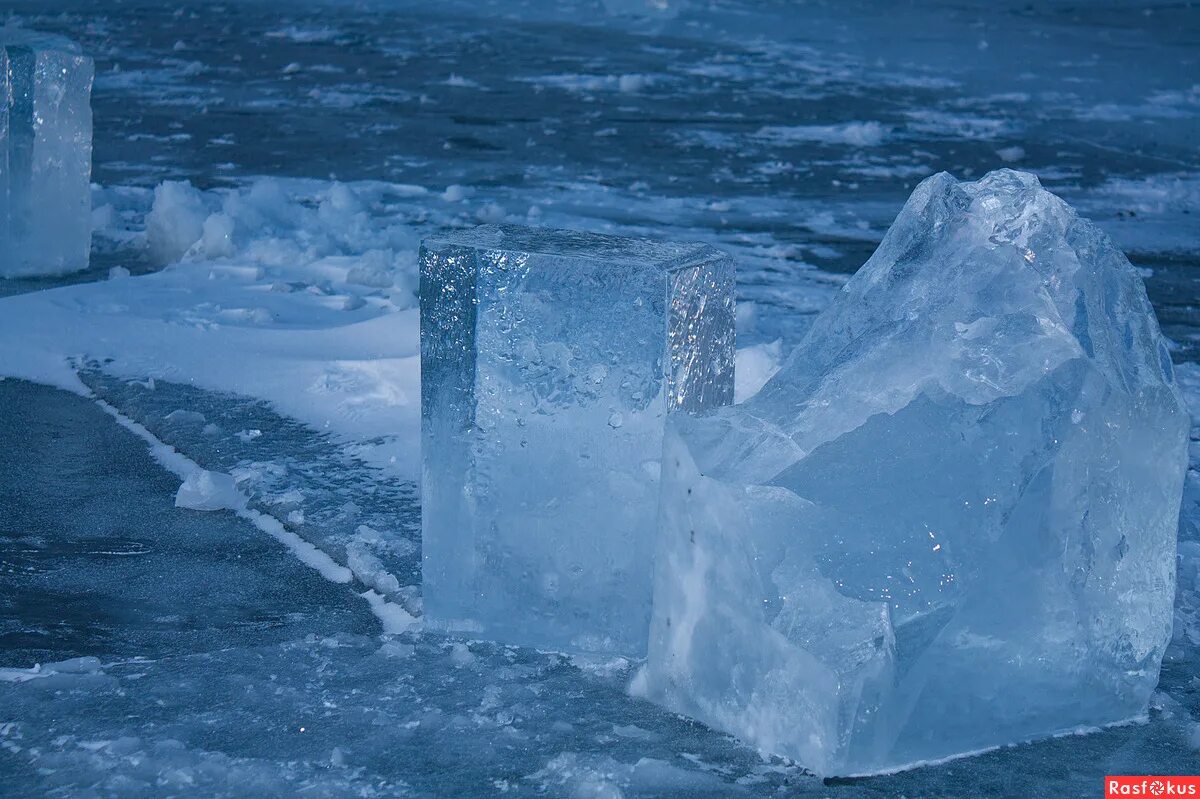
[[948, 523], [45, 154], [550, 361]]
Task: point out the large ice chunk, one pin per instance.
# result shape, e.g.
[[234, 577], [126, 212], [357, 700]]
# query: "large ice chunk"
[[549, 362], [949, 521], [45, 154]]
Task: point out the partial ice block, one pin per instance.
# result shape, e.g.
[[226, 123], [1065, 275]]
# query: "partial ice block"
[[45, 154], [550, 361], [948, 523]]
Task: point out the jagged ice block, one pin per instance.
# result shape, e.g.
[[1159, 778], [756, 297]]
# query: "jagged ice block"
[[549, 363], [45, 154], [949, 521]]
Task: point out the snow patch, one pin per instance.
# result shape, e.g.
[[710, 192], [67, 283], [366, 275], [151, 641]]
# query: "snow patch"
[[754, 366], [81, 665], [394, 618]]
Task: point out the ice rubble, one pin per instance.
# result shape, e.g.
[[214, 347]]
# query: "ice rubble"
[[949, 521], [206, 490], [45, 154], [549, 362]]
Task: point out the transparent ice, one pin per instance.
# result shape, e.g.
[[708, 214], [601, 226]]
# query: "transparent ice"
[[549, 362], [45, 154], [949, 522]]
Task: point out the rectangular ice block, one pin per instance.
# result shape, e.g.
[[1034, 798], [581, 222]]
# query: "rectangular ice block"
[[45, 154], [549, 362]]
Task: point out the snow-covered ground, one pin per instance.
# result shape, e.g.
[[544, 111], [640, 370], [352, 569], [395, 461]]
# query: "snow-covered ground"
[[264, 173]]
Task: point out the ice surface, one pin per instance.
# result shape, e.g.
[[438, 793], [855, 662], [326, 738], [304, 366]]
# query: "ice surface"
[[45, 154], [949, 521], [549, 362], [428, 724]]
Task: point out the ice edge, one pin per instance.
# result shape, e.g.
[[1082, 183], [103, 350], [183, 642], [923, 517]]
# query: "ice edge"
[[1141, 718], [392, 617]]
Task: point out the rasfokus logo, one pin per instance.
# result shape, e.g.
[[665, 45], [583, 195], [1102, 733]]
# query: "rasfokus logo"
[[1151, 786]]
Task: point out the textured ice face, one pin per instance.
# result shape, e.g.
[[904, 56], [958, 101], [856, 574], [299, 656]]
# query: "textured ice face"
[[549, 362], [45, 154], [949, 521]]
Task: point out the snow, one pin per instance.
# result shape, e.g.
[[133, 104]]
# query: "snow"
[[756, 365], [393, 618], [318, 303], [82, 665], [857, 134], [304, 551], [627, 84]]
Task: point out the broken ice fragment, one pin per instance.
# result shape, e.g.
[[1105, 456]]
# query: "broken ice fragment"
[[45, 154], [949, 521], [205, 490], [549, 362]]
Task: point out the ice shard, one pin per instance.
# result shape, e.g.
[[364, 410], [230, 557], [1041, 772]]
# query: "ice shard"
[[949, 521], [45, 154], [550, 361]]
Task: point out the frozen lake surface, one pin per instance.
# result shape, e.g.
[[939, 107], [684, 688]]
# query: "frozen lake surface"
[[194, 653]]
